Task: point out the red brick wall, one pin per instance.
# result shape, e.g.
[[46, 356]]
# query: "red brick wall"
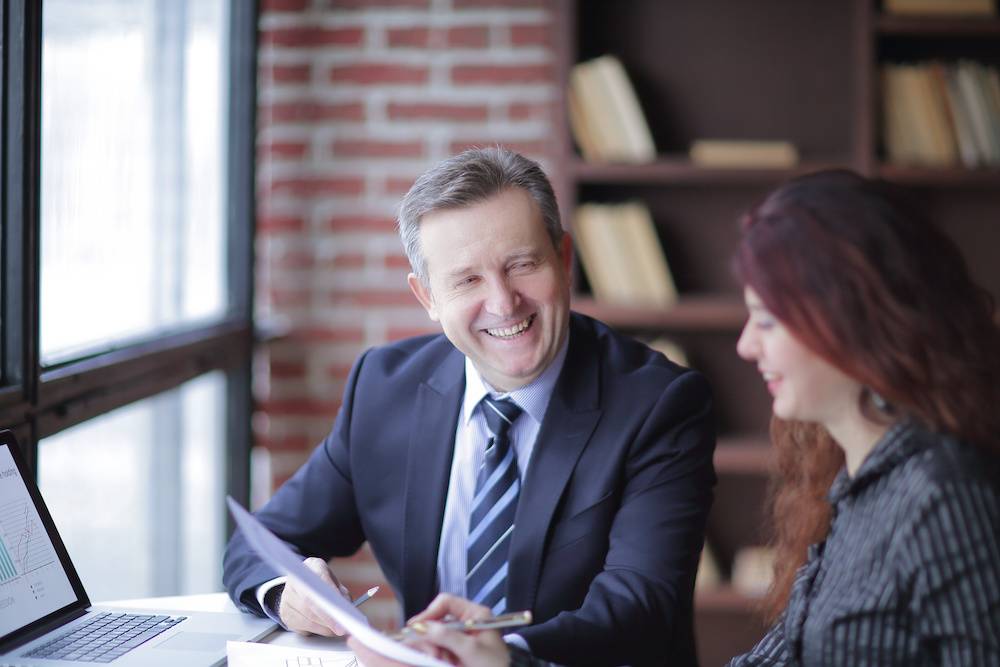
[[357, 98]]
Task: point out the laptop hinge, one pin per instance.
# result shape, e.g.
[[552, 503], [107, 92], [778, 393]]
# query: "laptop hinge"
[[57, 621]]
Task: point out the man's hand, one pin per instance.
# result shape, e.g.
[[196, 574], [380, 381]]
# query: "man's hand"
[[451, 607], [482, 649], [478, 649], [298, 612]]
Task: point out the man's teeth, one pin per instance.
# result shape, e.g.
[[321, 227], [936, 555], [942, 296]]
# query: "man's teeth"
[[770, 376], [510, 331]]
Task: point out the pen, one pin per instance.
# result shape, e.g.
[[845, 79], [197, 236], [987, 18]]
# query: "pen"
[[510, 620], [361, 599]]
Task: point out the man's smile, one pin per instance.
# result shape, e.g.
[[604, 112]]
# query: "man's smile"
[[514, 331]]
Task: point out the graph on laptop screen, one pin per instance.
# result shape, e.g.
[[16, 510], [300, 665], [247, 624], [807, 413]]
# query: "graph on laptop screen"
[[32, 581]]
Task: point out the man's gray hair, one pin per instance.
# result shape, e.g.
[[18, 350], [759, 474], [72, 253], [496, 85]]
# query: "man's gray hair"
[[468, 178]]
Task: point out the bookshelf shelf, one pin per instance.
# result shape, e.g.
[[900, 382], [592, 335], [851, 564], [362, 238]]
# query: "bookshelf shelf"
[[747, 455], [926, 26], [724, 598], [692, 313], [678, 170], [953, 177]]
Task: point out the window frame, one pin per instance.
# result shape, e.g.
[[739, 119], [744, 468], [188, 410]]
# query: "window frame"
[[37, 401]]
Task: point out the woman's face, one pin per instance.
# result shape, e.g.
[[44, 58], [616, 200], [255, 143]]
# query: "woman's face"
[[803, 385]]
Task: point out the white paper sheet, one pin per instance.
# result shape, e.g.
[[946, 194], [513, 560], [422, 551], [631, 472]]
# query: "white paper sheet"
[[276, 554], [252, 654]]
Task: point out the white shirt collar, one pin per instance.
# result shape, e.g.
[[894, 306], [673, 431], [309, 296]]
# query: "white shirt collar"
[[533, 397]]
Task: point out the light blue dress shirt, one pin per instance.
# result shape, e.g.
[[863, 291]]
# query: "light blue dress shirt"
[[471, 437]]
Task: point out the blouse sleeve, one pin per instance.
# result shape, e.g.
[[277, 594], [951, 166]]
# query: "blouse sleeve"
[[769, 651], [956, 575]]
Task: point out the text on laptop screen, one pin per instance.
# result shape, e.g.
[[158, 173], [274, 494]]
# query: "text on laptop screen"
[[32, 581]]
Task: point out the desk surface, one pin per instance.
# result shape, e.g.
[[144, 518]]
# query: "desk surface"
[[220, 602]]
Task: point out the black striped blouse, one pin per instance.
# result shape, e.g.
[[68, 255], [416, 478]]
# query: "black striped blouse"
[[910, 571]]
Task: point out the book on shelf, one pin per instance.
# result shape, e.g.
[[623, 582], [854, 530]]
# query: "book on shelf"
[[969, 150], [709, 575], [622, 255], [605, 256], [940, 115], [992, 84], [740, 153], [941, 7], [934, 96], [670, 349], [916, 124], [582, 129], [753, 570], [605, 115], [989, 111], [974, 100], [649, 261]]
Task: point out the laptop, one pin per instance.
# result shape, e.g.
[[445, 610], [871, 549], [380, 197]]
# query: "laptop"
[[46, 617]]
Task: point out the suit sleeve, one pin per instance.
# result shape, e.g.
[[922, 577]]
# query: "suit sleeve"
[[643, 596], [314, 512]]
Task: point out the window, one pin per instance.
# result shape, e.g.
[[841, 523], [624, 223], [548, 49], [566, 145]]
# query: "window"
[[132, 170], [125, 251], [149, 475]]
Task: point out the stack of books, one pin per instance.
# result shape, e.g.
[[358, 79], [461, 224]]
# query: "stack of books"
[[753, 570], [670, 349], [709, 575], [939, 115], [622, 256], [743, 154], [604, 113]]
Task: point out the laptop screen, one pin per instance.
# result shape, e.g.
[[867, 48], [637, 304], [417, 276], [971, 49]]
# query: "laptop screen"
[[37, 579]]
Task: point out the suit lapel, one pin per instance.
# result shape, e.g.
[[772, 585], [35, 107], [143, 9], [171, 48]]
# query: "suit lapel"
[[432, 443], [570, 419]]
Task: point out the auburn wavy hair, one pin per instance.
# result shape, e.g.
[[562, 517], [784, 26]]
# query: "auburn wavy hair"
[[862, 278]]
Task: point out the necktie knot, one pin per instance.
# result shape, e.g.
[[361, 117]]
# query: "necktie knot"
[[500, 414]]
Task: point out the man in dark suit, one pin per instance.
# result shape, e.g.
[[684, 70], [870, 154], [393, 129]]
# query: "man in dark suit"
[[529, 458]]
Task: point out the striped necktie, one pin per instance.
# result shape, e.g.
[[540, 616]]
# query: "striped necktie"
[[491, 521]]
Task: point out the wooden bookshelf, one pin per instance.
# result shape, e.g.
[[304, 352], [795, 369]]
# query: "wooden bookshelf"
[[772, 69], [954, 177], [678, 170], [725, 598], [692, 313], [747, 455], [920, 26]]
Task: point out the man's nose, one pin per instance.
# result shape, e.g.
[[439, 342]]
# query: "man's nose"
[[502, 299]]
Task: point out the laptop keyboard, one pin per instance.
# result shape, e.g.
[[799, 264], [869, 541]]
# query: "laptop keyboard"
[[104, 637]]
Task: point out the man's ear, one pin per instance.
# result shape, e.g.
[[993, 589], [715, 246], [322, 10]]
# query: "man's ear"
[[423, 294]]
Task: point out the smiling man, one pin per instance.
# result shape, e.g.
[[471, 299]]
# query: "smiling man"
[[528, 458]]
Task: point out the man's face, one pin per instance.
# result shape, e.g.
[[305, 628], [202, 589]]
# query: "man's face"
[[497, 285]]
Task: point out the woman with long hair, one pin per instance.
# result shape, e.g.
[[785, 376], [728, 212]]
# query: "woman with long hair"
[[883, 360]]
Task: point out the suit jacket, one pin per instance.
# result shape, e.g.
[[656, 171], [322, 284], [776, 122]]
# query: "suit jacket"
[[612, 512]]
